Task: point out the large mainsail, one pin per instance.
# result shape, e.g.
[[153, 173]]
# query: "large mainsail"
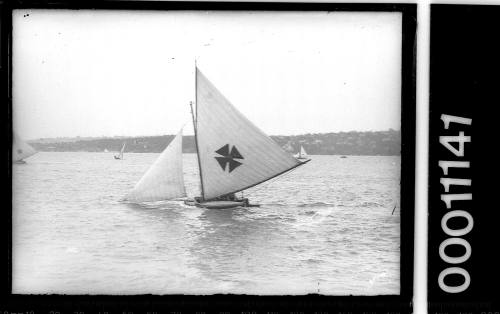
[[233, 153], [21, 149], [164, 179]]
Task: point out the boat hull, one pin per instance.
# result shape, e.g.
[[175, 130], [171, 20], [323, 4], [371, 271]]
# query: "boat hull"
[[220, 204]]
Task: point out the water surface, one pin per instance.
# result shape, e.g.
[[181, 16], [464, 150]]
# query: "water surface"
[[326, 227]]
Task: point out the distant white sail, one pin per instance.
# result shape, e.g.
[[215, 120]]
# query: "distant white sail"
[[120, 155], [164, 179], [233, 153], [301, 154], [21, 149], [302, 151], [122, 150]]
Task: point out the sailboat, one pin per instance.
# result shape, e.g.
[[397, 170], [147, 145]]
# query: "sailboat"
[[120, 155], [301, 154], [21, 150], [232, 153]]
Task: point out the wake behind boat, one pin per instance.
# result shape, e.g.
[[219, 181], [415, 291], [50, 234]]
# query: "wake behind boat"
[[232, 153]]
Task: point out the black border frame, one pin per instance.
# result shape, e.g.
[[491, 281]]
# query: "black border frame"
[[225, 303], [464, 80]]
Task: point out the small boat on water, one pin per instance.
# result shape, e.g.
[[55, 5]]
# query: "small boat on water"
[[21, 150], [120, 155], [343, 156], [301, 154], [232, 153]]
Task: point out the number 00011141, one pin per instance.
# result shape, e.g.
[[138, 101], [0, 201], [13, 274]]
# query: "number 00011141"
[[447, 197]]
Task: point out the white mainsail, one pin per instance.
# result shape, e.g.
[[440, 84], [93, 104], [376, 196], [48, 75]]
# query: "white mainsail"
[[233, 153], [164, 179], [21, 149]]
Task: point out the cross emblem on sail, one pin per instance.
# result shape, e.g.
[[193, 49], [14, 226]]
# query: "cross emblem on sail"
[[228, 158]]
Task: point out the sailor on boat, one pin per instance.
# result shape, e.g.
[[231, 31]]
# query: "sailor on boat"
[[224, 201]]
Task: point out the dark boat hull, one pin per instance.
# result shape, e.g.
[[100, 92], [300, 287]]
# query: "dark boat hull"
[[220, 204]]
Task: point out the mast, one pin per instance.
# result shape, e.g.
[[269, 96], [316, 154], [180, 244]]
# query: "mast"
[[195, 119]]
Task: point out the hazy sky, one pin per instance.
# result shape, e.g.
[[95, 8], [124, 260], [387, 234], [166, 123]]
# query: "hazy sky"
[[106, 73]]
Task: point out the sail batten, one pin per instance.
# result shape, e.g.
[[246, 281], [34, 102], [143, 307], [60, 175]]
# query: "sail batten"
[[164, 180], [234, 154]]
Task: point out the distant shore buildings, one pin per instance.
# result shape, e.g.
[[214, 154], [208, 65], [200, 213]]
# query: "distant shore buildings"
[[387, 143]]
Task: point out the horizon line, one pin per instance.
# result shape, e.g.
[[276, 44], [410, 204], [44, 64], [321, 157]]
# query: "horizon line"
[[156, 135]]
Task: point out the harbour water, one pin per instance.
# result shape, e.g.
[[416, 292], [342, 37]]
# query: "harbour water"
[[327, 227]]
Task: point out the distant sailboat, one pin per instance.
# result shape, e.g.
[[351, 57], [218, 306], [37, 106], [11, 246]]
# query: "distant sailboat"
[[120, 155], [233, 155], [106, 150], [21, 150], [301, 154], [164, 179]]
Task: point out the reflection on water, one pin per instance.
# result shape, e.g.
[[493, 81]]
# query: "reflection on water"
[[327, 227]]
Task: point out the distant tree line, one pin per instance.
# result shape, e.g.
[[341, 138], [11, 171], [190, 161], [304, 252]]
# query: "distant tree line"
[[342, 143]]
